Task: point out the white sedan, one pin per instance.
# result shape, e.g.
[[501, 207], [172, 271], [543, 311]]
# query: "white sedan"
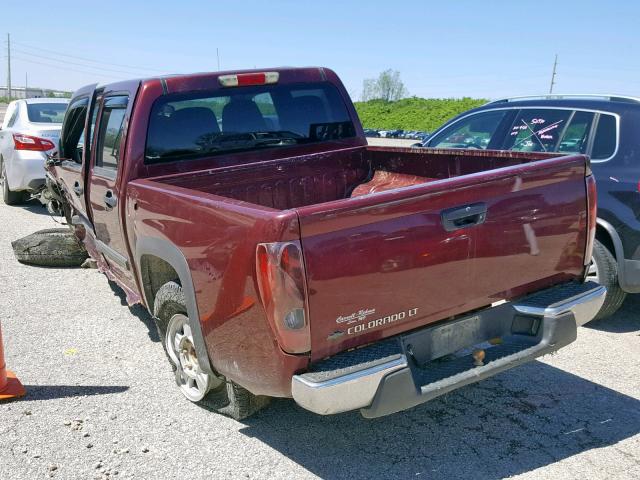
[[30, 129]]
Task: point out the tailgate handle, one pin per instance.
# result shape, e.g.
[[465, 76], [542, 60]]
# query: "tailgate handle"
[[462, 217]]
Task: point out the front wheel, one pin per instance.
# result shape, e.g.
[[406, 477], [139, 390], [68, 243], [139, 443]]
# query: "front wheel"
[[207, 389], [604, 270]]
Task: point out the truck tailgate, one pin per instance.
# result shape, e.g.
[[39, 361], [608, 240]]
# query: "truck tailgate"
[[382, 264]]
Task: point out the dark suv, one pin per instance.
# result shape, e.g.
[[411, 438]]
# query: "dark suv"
[[606, 127]]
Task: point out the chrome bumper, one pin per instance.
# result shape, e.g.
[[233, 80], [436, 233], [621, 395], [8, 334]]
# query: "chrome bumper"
[[583, 306], [389, 385], [348, 392]]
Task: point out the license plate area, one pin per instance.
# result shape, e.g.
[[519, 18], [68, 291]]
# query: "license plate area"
[[461, 336]]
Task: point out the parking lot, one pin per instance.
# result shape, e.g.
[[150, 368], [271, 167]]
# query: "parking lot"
[[102, 402]]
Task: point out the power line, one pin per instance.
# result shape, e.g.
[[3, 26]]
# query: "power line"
[[68, 69], [68, 62], [25, 45]]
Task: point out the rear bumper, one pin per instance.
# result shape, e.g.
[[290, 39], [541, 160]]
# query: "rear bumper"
[[25, 170], [402, 372]]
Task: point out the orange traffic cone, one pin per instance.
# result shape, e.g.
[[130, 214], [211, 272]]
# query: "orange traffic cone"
[[10, 386]]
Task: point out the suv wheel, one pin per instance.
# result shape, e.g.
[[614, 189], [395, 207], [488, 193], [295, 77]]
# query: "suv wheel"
[[604, 270]]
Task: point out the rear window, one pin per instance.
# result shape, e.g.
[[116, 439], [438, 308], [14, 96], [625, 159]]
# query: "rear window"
[[46, 112], [605, 140], [576, 135], [188, 126]]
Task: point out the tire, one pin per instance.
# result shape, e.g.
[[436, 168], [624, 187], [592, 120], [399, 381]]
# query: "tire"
[[604, 270], [9, 197], [215, 393], [53, 247]]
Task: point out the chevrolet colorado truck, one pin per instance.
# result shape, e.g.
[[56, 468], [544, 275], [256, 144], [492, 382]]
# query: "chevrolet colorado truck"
[[282, 256]]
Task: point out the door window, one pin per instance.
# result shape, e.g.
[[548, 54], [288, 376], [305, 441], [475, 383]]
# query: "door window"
[[92, 125], [605, 141], [110, 134], [72, 129], [576, 135], [537, 130], [475, 131]]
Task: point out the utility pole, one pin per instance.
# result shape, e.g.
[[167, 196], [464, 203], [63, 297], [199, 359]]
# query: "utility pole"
[[218, 55], [9, 65], [553, 75], [26, 85]]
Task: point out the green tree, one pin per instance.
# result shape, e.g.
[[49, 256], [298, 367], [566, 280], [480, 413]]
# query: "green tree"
[[387, 87]]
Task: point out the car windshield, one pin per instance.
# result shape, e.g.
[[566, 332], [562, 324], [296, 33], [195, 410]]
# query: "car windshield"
[[195, 125], [46, 112]]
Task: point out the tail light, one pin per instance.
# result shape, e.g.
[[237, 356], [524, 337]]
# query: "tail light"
[[246, 79], [27, 142], [592, 212], [281, 281]]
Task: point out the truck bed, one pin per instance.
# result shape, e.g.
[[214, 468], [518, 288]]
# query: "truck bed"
[[381, 264], [320, 178]]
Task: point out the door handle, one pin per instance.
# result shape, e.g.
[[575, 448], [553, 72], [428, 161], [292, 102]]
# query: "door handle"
[[110, 199], [462, 217], [77, 188]]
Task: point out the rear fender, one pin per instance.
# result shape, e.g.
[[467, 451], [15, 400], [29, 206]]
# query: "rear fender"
[[174, 257]]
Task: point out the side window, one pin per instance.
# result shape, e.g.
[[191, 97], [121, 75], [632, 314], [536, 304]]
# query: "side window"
[[576, 135], [475, 131], [72, 129], [537, 130], [110, 134], [605, 140], [14, 116]]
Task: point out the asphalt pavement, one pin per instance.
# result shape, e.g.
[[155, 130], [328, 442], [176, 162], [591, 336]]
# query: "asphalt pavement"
[[102, 402]]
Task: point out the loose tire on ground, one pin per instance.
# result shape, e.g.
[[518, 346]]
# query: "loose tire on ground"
[[606, 272], [222, 395], [53, 247]]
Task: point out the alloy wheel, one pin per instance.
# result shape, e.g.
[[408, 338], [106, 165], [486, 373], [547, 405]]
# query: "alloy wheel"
[[192, 380]]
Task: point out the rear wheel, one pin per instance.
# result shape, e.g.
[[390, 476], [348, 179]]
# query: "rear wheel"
[[604, 270], [209, 390], [9, 197]]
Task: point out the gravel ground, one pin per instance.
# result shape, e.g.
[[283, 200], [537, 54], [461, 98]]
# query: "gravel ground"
[[102, 402]]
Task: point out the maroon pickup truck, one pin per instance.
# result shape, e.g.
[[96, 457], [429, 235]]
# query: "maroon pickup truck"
[[284, 257]]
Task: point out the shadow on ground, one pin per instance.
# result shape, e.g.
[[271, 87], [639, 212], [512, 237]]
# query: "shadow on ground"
[[138, 311], [624, 320], [515, 422], [34, 206], [49, 392]]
